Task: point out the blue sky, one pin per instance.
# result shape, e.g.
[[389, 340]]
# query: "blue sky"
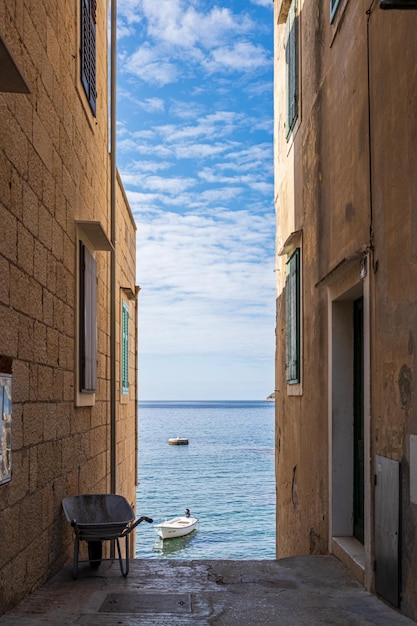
[[194, 150]]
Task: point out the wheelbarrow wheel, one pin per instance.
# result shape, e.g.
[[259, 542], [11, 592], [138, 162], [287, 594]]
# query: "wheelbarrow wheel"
[[95, 550]]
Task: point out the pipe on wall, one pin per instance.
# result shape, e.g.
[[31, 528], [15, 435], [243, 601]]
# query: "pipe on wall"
[[368, 69], [113, 183]]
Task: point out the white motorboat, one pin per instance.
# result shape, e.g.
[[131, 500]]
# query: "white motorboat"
[[177, 526], [178, 441]]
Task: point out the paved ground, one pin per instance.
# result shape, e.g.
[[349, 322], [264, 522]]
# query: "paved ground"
[[298, 591]]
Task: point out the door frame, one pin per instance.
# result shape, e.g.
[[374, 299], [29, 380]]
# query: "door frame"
[[349, 283]]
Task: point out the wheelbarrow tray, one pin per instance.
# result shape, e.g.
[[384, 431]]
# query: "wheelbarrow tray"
[[98, 517]]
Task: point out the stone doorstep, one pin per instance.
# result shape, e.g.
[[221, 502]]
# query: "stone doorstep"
[[352, 554]]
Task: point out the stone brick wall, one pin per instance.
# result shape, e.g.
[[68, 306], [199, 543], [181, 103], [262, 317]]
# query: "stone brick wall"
[[54, 171]]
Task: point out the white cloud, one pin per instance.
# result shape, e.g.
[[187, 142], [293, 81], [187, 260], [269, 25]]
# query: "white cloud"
[[146, 166], [221, 194], [201, 150], [140, 145], [166, 184], [180, 25], [256, 155], [204, 279], [130, 10], [178, 34], [186, 110], [264, 3], [214, 125], [151, 105], [145, 64], [252, 180], [242, 56]]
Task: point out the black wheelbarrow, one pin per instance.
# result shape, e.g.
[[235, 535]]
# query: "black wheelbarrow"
[[100, 517]]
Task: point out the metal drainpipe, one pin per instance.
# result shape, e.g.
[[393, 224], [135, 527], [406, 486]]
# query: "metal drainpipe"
[[137, 289], [368, 70], [113, 182]]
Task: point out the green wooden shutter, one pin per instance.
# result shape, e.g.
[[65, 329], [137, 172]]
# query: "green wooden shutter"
[[125, 348], [292, 291], [291, 57], [88, 321], [88, 50]]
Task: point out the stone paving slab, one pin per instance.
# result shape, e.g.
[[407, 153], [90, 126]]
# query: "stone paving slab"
[[298, 591]]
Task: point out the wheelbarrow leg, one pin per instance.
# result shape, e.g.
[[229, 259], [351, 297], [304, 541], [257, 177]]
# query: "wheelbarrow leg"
[[126, 570], [75, 563], [95, 552], [125, 534]]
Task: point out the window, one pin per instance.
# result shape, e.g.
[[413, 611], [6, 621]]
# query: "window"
[[88, 322], [291, 58], [91, 238], [88, 50], [333, 6], [5, 428], [292, 290], [125, 349]]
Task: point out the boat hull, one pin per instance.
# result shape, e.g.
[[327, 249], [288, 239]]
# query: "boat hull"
[[176, 527], [178, 441]]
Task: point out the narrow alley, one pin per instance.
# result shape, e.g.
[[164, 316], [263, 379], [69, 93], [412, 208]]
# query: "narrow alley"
[[298, 591]]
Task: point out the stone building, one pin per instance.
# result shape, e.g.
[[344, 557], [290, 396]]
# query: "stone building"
[[345, 158], [68, 299]]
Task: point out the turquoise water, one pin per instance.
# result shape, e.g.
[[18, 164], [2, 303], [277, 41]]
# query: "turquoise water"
[[225, 476]]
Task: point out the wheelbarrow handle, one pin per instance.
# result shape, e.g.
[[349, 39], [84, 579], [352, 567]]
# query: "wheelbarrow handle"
[[139, 520]]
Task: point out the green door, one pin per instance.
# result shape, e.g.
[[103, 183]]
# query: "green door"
[[358, 426]]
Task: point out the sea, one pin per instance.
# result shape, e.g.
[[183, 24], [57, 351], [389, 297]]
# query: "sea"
[[225, 476]]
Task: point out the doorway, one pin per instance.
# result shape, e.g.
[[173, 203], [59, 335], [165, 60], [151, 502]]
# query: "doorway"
[[358, 423], [349, 382], [350, 486]]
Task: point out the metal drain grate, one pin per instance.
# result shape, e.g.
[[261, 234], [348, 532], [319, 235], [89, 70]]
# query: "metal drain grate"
[[146, 603]]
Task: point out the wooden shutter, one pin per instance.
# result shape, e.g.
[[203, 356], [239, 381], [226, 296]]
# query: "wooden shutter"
[[125, 348], [88, 321], [292, 299], [88, 50], [291, 57]]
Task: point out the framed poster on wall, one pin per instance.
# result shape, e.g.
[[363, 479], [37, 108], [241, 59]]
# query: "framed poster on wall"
[[5, 428]]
